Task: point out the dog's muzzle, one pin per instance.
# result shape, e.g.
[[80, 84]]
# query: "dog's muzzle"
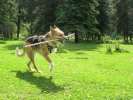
[[61, 39]]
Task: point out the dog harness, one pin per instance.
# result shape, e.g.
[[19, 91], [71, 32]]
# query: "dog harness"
[[36, 39]]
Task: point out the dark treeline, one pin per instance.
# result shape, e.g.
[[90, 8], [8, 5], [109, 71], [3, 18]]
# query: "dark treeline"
[[89, 19]]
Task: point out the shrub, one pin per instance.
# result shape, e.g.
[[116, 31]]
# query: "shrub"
[[107, 39], [117, 47], [109, 48]]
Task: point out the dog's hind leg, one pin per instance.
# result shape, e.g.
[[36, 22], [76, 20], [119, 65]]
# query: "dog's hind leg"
[[33, 62], [30, 68], [30, 55], [28, 64]]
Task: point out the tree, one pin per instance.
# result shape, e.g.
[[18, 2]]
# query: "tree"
[[7, 17], [79, 17], [104, 16], [27, 13], [130, 19], [122, 14], [38, 15], [46, 15]]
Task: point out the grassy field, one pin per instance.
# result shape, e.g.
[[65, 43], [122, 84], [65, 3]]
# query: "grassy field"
[[83, 72]]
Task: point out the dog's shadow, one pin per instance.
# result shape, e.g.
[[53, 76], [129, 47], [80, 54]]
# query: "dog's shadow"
[[43, 83]]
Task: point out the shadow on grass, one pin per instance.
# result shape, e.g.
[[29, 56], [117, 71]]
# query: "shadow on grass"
[[81, 47], [80, 53], [80, 58], [2, 42], [43, 83]]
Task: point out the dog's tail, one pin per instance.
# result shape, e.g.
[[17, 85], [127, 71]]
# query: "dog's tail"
[[19, 52]]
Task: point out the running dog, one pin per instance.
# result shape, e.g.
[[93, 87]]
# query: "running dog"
[[54, 34]]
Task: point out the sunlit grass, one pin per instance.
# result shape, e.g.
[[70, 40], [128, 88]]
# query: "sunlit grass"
[[83, 72]]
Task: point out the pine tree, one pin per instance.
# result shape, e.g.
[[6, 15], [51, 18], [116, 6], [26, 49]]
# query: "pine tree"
[[130, 16], [104, 16], [122, 14], [78, 16], [7, 17], [28, 13], [45, 16]]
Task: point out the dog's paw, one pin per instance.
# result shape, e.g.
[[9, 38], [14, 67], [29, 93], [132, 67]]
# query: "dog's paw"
[[51, 77], [32, 70], [51, 66], [39, 71]]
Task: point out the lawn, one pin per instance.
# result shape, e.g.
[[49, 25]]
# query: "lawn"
[[83, 71]]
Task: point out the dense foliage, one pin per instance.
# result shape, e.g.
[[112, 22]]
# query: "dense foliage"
[[7, 17], [90, 19]]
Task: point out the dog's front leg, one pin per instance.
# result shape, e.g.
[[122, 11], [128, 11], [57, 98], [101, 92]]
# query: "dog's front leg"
[[51, 65]]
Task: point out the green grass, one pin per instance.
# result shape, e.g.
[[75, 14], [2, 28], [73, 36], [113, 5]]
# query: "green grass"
[[83, 72]]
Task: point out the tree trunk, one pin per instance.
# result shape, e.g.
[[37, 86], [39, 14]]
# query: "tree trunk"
[[99, 37], [18, 22], [130, 37], [76, 37], [31, 30]]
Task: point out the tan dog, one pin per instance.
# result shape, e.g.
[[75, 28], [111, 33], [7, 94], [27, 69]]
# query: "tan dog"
[[54, 33]]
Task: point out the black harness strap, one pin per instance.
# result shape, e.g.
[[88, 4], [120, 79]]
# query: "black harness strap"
[[36, 39]]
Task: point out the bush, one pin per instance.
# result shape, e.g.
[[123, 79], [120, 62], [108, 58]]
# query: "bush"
[[117, 47], [107, 39], [109, 48]]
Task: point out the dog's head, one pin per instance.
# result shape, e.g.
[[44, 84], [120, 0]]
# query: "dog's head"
[[57, 33]]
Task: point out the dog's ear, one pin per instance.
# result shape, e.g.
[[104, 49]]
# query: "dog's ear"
[[55, 26], [51, 28]]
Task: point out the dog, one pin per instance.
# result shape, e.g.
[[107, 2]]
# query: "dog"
[[55, 33]]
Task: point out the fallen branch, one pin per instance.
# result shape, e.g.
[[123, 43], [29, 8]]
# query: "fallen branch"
[[30, 45]]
